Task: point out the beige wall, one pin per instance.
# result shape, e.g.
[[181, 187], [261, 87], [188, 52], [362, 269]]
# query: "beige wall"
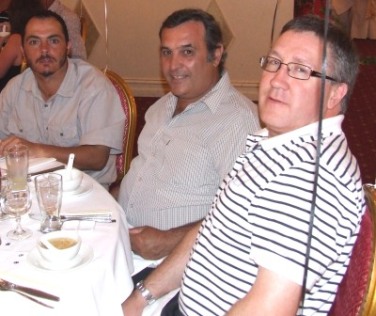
[[133, 41]]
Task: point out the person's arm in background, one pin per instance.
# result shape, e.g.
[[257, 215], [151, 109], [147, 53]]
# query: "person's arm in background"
[[10, 54], [87, 157]]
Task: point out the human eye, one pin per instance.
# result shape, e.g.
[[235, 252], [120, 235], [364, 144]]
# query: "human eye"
[[54, 41], [299, 71], [33, 42], [165, 52], [188, 51], [273, 61]]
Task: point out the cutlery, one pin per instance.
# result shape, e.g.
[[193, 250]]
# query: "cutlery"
[[30, 298], [8, 286], [96, 218]]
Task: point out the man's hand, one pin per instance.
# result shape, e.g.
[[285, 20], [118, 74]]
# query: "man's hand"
[[133, 305], [152, 243], [13, 140]]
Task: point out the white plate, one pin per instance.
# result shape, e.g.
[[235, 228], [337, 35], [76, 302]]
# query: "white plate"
[[84, 256], [85, 187]]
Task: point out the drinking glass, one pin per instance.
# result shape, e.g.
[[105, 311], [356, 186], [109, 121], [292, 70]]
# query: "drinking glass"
[[17, 161], [3, 186], [49, 191], [17, 203]]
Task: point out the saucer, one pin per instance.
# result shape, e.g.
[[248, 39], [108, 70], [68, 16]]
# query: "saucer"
[[84, 256], [85, 187]]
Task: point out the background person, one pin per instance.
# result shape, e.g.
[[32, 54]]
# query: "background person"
[[249, 257], [191, 137], [11, 55], [72, 20], [60, 105]]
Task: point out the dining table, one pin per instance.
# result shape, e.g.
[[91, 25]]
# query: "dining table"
[[98, 281]]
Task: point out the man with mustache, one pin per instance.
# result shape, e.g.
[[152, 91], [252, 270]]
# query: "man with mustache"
[[191, 137], [60, 105]]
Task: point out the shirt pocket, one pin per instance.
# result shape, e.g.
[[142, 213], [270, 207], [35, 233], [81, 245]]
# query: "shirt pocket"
[[64, 135]]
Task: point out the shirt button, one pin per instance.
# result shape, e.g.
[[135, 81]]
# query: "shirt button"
[[46, 105]]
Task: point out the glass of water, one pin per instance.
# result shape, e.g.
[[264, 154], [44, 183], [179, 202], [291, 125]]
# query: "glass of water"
[[17, 203]]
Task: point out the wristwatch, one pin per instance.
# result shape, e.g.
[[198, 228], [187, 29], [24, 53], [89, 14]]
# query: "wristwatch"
[[149, 298]]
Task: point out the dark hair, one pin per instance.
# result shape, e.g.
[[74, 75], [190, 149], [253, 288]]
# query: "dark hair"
[[47, 14], [20, 12], [343, 60], [213, 33]]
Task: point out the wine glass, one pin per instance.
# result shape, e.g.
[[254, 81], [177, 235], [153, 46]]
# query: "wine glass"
[[3, 185], [17, 203]]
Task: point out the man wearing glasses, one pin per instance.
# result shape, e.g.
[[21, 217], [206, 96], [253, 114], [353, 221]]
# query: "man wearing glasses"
[[250, 255]]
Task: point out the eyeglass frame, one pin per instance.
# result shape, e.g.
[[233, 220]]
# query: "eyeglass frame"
[[312, 73]]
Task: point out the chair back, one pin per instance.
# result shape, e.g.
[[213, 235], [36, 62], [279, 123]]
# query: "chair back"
[[128, 103], [356, 292]]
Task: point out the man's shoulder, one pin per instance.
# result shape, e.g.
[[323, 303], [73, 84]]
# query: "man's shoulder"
[[86, 71]]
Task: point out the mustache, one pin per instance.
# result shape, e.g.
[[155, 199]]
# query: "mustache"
[[45, 58]]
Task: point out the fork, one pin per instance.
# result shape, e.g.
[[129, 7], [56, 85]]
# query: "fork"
[[26, 292], [2, 288]]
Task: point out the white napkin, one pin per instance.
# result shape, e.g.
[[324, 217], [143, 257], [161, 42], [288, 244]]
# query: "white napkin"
[[36, 164]]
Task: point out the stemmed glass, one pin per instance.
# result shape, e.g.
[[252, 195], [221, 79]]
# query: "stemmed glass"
[[17, 203], [3, 215]]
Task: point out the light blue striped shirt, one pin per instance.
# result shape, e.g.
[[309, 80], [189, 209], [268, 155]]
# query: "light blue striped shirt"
[[183, 158]]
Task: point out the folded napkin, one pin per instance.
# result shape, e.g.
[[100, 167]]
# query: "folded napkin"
[[36, 164]]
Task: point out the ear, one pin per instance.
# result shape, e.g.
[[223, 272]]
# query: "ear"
[[218, 55], [337, 93], [69, 48]]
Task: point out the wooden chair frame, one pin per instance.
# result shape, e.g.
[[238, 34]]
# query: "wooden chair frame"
[[129, 105], [369, 303], [356, 293]]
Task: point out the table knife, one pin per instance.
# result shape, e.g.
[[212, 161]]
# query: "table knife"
[[19, 288]]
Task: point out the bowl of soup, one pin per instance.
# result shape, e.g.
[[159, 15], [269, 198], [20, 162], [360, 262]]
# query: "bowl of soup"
[[59, 246]]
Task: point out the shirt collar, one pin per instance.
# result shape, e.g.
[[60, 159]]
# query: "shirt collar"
[[66, 88], [329, 125]]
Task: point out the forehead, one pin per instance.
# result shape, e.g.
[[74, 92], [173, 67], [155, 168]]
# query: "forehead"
[[43, 27], [300, 47], [191, 32]]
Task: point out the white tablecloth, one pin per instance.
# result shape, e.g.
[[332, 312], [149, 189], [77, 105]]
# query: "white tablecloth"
[[96, 288]]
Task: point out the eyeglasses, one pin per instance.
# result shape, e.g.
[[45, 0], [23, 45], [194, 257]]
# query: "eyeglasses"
[[294, 70]]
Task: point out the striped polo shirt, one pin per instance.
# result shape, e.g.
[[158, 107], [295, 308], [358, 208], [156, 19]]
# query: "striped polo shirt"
[[260, 217]]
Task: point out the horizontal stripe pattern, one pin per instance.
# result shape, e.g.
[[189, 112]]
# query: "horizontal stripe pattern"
[[260, 217]]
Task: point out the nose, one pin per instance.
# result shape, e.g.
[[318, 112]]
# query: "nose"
[[174, 61], [44, 46], [280, 77]]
